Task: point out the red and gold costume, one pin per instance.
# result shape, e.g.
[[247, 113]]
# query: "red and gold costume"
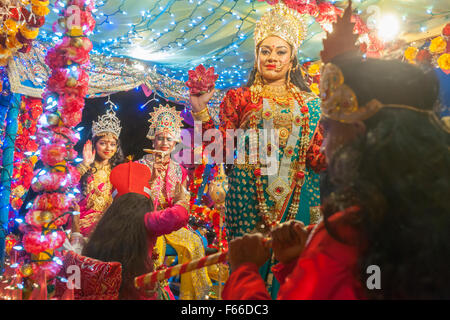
[[98, 196], [285, 120], [188, 245], [98, 193]]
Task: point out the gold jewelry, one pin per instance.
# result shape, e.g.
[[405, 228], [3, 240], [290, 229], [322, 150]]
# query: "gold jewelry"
[[165, 119], [82, 168], [107, 123], [282, 22], [202, 115]]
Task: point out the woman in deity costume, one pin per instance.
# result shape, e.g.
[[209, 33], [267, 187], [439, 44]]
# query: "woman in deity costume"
[[165, 132], [99, 157], [275, 100], [384, 233]]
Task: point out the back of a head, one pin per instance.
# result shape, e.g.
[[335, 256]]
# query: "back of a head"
[[390, 82], [121, 236], [398, 172]]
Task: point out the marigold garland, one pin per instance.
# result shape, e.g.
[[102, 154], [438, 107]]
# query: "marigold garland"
[[436, 53], [20, 28]]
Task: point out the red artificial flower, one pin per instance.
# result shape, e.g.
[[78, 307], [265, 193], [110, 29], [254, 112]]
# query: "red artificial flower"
[[303, 6], [51, 201], [63, 134], [57, 81], [71, 103], [446, 31], [71, 119], [201, 80], [35, 242], [327, 13], [54, 59], [360, 26], [363, 47], [53, 154], [423, 56]]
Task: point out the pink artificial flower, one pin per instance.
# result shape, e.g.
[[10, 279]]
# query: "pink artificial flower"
[[53, 154], [35, 242], [57, 81], [71, 119], [51, 201], [201, 80]]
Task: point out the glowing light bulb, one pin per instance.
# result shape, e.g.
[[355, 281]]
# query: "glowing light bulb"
[[388, 27]]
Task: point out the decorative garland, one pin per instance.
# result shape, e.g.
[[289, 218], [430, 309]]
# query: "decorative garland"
[[325, 13], [436, 53], [21, 27], [56, 182], [25, 147]]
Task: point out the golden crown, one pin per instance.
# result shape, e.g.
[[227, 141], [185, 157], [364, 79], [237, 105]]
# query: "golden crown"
[[282, 22], [165, 119], [107, 123]]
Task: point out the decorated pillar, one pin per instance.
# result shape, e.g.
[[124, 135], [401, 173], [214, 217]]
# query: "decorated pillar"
[[7, 168], [56, 181]]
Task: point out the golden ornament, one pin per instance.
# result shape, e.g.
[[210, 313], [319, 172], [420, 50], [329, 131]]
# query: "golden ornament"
[[71, 82]]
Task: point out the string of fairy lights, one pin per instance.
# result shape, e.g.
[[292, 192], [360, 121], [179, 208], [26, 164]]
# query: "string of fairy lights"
[[171, 34]]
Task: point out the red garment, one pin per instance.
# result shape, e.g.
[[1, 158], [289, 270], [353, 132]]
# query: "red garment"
[[326, 270], [98, 280]]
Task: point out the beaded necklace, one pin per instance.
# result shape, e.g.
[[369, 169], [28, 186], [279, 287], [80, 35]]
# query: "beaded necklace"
[[269, 218]]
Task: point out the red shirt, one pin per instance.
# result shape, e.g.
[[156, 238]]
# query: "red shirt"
[[326, 270]]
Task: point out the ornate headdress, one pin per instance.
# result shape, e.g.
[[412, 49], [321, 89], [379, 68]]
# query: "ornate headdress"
[[165, 119], [282, 22], [107, 123]]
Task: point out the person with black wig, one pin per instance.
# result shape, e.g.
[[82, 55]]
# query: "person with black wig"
[[126, 235], [388, 216]]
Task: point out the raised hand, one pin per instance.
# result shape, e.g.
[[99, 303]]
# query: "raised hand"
[[199, 102], [288, 240], [249, 248], [88, 153]]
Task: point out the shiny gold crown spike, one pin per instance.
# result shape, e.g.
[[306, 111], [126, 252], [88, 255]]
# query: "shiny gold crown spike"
[[165, 119], [282, 22], [107, 123]]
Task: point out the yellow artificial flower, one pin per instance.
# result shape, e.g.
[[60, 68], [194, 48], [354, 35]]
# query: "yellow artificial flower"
[[39, 3], [4, 53], [315, 88], [29, 33], [33, 160], [313, 69], [76, 31], [438, 45], [444, 61], [11, 26], [3, 62], [13, 43], [411, 53], [40, 11]]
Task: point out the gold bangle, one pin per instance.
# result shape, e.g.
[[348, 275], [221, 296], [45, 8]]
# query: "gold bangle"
[[82, 169], [202, 115]]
